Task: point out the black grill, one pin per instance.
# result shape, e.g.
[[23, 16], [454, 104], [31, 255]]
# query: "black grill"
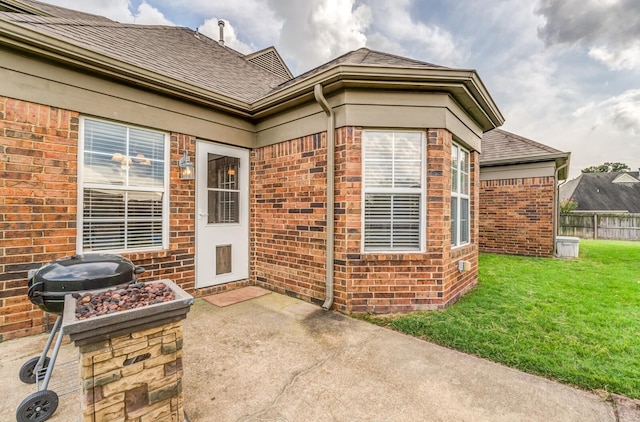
[[49, 284]]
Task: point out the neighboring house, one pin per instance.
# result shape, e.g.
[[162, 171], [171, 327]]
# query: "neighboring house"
[[518, 179], [354, 185], [617, 192]]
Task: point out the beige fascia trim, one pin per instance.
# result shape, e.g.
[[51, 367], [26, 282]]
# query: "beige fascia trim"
[[523, 160], [23, 39], [358, 76]]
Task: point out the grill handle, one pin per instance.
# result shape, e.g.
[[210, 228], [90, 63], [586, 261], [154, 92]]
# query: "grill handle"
[[138, 270], [35, 293]]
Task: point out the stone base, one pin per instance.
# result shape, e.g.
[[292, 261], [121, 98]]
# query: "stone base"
[[134, 377]]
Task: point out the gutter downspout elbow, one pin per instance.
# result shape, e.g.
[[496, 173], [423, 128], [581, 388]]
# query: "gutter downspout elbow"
[[556, 206], [331, 129]]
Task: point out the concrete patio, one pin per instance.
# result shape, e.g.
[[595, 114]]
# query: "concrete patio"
[[275, 358]]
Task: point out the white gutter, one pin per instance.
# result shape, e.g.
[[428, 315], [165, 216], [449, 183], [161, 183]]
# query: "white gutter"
[[331, 128]]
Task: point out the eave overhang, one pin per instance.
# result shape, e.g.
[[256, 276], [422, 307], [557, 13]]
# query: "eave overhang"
[[463, 85]]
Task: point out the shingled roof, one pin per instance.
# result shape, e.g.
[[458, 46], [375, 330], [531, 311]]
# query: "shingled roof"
[[37, 8], [175, 52], [500, 147], [365, 56], [601, 191]]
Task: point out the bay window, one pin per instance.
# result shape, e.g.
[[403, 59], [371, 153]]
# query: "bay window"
[[393, 184], [122, 204], [460, 185]]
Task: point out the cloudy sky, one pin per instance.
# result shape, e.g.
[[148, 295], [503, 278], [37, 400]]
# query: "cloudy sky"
[[563, 72]]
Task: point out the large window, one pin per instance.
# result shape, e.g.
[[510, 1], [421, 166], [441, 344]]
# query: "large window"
[[393, 217], [460, 182], [122, 199]]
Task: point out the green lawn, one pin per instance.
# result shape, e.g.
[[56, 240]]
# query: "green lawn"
[[574, 321]]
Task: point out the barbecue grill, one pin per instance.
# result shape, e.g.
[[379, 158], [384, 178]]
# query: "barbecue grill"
[[47, 288]]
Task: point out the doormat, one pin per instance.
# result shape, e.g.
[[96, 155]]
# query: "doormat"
[[236, 296]]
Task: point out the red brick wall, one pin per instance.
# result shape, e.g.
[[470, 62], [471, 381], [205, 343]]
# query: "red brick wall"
[[516, 216], [288, 230], [288, 233], [38, 194], [38, 206]]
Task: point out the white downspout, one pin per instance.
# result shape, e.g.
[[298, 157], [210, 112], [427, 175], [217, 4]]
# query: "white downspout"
[[331, 128], [556, 208]]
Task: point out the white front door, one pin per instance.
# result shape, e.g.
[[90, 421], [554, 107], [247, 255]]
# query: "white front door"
[[222, 214]]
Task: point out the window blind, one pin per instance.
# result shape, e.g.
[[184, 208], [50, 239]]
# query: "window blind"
[[392, 191], [123, 187]]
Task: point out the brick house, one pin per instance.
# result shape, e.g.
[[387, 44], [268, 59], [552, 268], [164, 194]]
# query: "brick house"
[[518, 194], [354, 186]]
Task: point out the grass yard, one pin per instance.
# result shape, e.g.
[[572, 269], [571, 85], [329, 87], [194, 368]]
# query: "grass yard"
[[574, 321]]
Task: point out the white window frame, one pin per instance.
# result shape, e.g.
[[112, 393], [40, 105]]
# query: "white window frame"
[[459, 196], [420, 190], [165, 190]]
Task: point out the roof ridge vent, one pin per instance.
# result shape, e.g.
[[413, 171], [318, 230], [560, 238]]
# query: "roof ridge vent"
[[270, 60]]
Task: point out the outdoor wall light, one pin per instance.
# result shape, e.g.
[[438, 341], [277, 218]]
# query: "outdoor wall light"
[[186, 168]]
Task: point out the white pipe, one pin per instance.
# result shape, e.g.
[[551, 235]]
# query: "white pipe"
[[331, 128]]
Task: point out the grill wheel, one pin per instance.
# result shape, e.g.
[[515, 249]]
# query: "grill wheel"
[[37, 407], [27, 371]]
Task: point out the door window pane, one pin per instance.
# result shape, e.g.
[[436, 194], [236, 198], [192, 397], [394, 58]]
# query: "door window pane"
[[223, 189]]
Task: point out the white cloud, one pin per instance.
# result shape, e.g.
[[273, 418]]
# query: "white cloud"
[[395, 30], [608, 28], [623, 111], [315, 32], [627, 58], [253, 20], [117, 10], [211, 29], [149, 15]]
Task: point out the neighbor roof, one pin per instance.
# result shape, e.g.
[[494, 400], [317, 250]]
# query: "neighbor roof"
[[599, 192], [176, 52], [32, 7]]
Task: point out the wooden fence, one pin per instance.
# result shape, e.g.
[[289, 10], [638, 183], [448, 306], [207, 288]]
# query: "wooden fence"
[[600, 226]]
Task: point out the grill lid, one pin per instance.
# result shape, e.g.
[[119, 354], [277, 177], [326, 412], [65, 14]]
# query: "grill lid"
[[111, 269]]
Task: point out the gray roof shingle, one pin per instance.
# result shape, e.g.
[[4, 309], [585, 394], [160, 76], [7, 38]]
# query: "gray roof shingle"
[[500, 146], [365, 56], [174, 52], [597, 192]]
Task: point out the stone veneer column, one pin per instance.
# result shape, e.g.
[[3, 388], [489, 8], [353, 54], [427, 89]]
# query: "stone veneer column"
[[134, 377]]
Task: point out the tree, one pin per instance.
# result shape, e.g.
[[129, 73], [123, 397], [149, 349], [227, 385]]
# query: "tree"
[[606, 168]]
